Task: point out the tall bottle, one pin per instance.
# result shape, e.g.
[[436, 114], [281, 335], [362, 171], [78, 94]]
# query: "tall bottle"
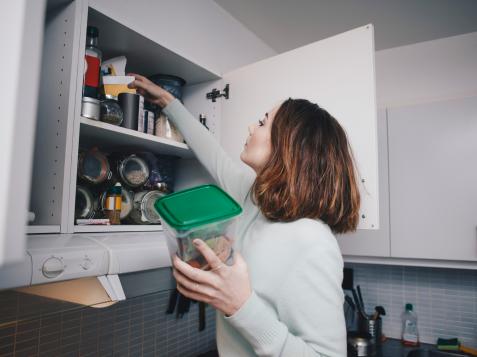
[[92, 64], [410, 334]]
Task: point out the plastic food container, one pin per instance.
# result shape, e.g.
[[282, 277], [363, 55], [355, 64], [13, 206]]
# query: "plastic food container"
[[204, 212]]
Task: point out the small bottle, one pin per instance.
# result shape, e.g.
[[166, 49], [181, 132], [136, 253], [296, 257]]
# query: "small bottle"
[[92, 63], [112, 207], [410, 334]]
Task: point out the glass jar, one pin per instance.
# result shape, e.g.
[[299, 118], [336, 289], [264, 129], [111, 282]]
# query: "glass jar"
[[111, 112], [85, 204], [126, 202], [133, 171], [143, 211], [93, 166]]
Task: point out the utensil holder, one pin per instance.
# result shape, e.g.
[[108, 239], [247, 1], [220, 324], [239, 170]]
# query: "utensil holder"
[[373, 327]]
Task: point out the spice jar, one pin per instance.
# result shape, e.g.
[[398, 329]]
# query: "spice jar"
[[112, 206], [111, 112], [133, 171], [93, 166], [126, 202], [143, 211], [85, 204]]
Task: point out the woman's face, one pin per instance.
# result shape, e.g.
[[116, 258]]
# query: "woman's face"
[[258, 147]]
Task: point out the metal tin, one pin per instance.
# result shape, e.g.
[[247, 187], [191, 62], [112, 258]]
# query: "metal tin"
[[90, 108], [143, 211]]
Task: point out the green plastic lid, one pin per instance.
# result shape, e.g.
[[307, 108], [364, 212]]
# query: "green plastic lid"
[[196, 207], [409, 307]]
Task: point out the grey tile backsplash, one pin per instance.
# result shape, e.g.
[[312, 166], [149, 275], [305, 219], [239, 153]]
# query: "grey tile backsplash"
[[36, 326], [445, 300]]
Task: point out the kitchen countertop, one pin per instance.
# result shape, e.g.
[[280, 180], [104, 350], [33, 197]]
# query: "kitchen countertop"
[[394, 348]]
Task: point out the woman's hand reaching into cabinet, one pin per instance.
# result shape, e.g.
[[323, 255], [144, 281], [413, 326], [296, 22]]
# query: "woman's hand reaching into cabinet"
[[150, 91]]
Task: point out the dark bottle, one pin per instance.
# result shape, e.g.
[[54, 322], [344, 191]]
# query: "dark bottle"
[[92, 64]]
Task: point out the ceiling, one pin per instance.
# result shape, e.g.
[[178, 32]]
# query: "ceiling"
[[288, 24]]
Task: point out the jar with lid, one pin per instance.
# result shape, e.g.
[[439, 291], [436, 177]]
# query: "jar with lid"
[[85, 203], [93, 166], [112, 206], [133, 170], [126, 202], [111, 112], [143, 211]]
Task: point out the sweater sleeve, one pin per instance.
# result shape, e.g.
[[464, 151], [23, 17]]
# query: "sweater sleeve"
[[310, 318], [230, 176]]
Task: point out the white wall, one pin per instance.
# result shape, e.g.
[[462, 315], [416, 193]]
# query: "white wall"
[[198, 30], [427, 71]]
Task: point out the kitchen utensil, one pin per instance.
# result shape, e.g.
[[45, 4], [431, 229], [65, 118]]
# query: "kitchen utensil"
[[358, 304], [379, 311], [360, 296], [111, 112], [129, 103], [90, 108], [350, 302], [348, 278], [204, 212]]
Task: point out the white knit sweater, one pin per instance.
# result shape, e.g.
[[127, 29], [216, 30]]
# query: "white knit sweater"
[[296, 269]]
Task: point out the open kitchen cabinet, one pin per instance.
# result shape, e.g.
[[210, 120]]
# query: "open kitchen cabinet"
[[254, 89], [330, 72]]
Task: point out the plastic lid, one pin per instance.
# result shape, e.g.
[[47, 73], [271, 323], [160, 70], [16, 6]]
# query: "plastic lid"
[[409, 307], [196, 207], [115, 190]]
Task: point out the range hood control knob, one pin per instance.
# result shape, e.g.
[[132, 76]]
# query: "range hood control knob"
[[86, 264], [52, 267]]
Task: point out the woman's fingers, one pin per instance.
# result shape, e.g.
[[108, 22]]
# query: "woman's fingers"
[[193, 295], [194, 274], [193, 286], [214, 261]]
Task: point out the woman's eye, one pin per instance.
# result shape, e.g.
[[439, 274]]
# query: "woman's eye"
[[260, 123]]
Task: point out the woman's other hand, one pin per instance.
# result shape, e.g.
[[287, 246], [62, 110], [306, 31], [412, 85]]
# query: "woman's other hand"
[[224, 287], [150, 91]]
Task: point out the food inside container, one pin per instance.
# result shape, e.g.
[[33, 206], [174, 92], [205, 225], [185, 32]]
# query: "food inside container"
[[133, 171], [126, 202], [205, 212], [143, 211], [85, 204]]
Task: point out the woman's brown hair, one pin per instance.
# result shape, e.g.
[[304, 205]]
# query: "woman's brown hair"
[[311, 171]]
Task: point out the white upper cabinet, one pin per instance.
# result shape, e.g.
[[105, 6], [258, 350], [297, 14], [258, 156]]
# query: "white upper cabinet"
[[433, 180], [374, 243], [21, 36], [336, 73]]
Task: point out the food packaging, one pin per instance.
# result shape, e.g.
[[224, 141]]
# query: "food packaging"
[[113, 85], [165, 129], [204, 212]]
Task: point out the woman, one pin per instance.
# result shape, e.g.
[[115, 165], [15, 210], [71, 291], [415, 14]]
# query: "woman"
[[282, 296]]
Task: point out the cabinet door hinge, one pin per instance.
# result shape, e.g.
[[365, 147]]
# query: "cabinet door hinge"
[[217, 94]]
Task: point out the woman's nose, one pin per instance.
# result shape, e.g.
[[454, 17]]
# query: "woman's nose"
[[251, 128]]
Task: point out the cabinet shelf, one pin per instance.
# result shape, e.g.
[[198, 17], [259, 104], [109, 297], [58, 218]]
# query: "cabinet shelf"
[[118, 228], [108, 136], [42, 229]]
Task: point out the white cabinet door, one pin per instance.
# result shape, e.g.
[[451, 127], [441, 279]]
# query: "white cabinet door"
[[337, 73], [433, 180], [21, 33], [374, 243]]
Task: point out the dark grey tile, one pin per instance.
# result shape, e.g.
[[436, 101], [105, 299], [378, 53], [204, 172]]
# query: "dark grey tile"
[[7, 340], [26, 336], [23, 345], [24, 326], [28, 352], [7, 330], [6, 349], [49, 345]]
